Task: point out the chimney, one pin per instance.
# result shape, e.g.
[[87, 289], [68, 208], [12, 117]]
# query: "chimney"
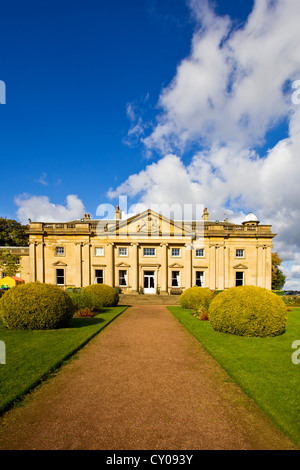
[[118, 213], [205, 214], [86, 216]]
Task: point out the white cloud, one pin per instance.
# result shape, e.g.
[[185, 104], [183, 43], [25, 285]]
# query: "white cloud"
[[225, 97], [40, 209]]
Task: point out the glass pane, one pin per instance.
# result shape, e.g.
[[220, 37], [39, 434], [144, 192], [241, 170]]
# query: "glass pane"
[[151, 282]]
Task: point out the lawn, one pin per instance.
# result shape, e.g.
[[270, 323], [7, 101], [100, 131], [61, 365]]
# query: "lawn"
[[32, 355], [262, 367]]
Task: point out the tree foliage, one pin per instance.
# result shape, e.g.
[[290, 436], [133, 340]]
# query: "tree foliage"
[[13, 233], [278, 278], [8, 263]]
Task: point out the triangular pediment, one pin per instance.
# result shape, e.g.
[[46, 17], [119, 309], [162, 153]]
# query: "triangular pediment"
[[240, 266], [175, 265], [123, 265], [149, 224], [59, 263]]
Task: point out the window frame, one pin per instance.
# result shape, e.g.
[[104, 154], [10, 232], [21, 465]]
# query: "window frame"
[[57, 248], [203, 274], [149, 255], [99, 277], [60, 276], [203, 252], [179, 252], [99, 248], [125, 278], [242, 280], [123, 248], [239, 250], [177, 278]]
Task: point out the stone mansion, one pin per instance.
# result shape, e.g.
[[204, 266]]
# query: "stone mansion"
[[148, 253]]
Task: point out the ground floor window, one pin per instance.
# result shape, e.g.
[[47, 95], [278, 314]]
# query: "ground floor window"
[[239, 278], [175, 278], [60, 277], [99, 276], [123, 278], [200, 278]]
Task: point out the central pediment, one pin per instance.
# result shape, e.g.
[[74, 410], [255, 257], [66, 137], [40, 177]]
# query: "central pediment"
[[148, 224]]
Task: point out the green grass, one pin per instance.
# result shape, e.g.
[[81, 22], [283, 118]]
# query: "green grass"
[[261, 366], [32, 355]]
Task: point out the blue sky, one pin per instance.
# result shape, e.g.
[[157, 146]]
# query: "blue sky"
[[71, 68], [164, 101]]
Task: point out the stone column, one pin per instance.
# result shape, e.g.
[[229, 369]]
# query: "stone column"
[[164, 269], [135, 268], [111, 264], [188, 266], [269, 268], [32, 254], [212, 267], [79, 257], [221, 270]]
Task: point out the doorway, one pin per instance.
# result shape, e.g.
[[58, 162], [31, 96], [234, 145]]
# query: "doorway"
[[149, 282]]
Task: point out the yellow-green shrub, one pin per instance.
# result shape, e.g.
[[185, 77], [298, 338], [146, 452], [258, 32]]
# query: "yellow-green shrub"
[[248, 311], [196, 298], [107, 295], [36, 306]]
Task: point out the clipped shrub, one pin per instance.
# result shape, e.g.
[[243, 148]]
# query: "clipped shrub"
[[196, 298], [36, 306], [248, 311], [107, 295], [82, 300], [84, 313]]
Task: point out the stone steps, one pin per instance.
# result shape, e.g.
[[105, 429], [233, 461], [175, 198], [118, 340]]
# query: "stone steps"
[[148, 299]]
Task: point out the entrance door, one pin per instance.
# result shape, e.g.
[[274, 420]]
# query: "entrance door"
[[149, 282]]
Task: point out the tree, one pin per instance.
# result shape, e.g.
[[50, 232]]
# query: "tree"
[[8, 262], [12, 233], [278, 278]]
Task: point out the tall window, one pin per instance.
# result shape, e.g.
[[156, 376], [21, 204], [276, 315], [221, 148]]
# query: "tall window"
[[98, 276], [200, 278], [60, 250], [123, 278], [175, 278], [60, 277], [149, 251], [239, 253], [239, 278], [123, 251], [175, 251], [199, 252]]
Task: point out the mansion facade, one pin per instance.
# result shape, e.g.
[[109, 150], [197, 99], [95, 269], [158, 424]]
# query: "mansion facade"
[[149, 253]]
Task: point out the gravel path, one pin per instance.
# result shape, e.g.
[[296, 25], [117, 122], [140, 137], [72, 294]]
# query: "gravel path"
[[142, 383]]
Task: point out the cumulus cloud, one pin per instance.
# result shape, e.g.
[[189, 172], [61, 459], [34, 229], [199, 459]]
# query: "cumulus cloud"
[[40, 209], [233, 88]]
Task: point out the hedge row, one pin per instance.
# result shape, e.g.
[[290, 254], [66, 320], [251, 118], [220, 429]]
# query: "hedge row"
[[243, 311], [38, 306]]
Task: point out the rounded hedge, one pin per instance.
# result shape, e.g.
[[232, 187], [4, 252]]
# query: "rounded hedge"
[[36, 306], [107, 295], [82, 300], [248, 311], [196, 298]]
